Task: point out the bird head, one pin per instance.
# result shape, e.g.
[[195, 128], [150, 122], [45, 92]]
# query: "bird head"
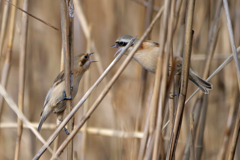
[[83, 60], [121, 42]]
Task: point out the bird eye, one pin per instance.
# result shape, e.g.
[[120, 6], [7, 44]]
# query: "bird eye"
[[122, 43], [86, 56]]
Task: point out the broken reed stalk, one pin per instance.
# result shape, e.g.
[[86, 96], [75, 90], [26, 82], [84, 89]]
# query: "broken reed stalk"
[[14, 107], [79, 104], [22, 66], [109, 85], [67, 61], [212, 41], [3, 26], [7, 63], [229, 125], [184, 81], [161, 83]]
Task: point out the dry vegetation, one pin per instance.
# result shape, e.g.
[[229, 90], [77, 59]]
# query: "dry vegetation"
[[126, 122]]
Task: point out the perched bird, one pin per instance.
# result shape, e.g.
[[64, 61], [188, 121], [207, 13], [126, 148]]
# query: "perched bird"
[[147, 54], [55, 100]]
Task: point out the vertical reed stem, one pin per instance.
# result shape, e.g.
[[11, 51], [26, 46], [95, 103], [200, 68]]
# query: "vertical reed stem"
[[7, 63], [184, 81], [22, 66], [67, 62]]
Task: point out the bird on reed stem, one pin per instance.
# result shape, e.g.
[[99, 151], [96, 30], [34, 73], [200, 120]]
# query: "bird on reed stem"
[[55, 101], [147, 55]]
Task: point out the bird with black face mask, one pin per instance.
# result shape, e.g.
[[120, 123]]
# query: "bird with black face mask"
[[55, 101], [147, 55]]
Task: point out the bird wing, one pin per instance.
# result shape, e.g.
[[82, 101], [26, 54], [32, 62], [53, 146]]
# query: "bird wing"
[[60, 77], [153, 43]]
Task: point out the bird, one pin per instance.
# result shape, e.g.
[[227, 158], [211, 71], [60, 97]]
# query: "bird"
[[55, 101], [147, 55]]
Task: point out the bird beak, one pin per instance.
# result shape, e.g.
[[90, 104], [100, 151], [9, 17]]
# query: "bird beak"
[[113, 46], [90, 56]]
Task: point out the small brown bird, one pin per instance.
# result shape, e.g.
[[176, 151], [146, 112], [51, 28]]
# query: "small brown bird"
[[55, 100], [147, 57]]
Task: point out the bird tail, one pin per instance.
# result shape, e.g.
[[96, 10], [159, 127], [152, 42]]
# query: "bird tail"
[[44, 115], [202, 84]]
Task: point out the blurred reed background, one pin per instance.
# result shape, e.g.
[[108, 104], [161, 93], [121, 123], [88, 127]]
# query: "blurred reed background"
[[127, 101]]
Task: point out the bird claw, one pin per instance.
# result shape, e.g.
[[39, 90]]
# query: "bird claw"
[[173, 95], [66, 131], [65, 97]]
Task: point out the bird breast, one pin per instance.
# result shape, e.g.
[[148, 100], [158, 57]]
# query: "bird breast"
[[147, 58]]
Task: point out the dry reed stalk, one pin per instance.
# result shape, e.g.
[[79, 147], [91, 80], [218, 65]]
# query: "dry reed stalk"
[[184, 81], [22, 66], [109, 85], [230, 30], [196, 114], [229, 125], [237, 24], [44, 22], [79, 104], [161, 76], [201, 127], [202, 57], [192, 147], [70, 11], [199, 105], [172, 27], [89, 130], [55, 144], [14, 107], [149, 118], [143, 83], [227, 61], [233, 144], [156, 90], [146, 4], [7, 63], [100, 98], [144, 139], [3, 26], [66, 38]]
